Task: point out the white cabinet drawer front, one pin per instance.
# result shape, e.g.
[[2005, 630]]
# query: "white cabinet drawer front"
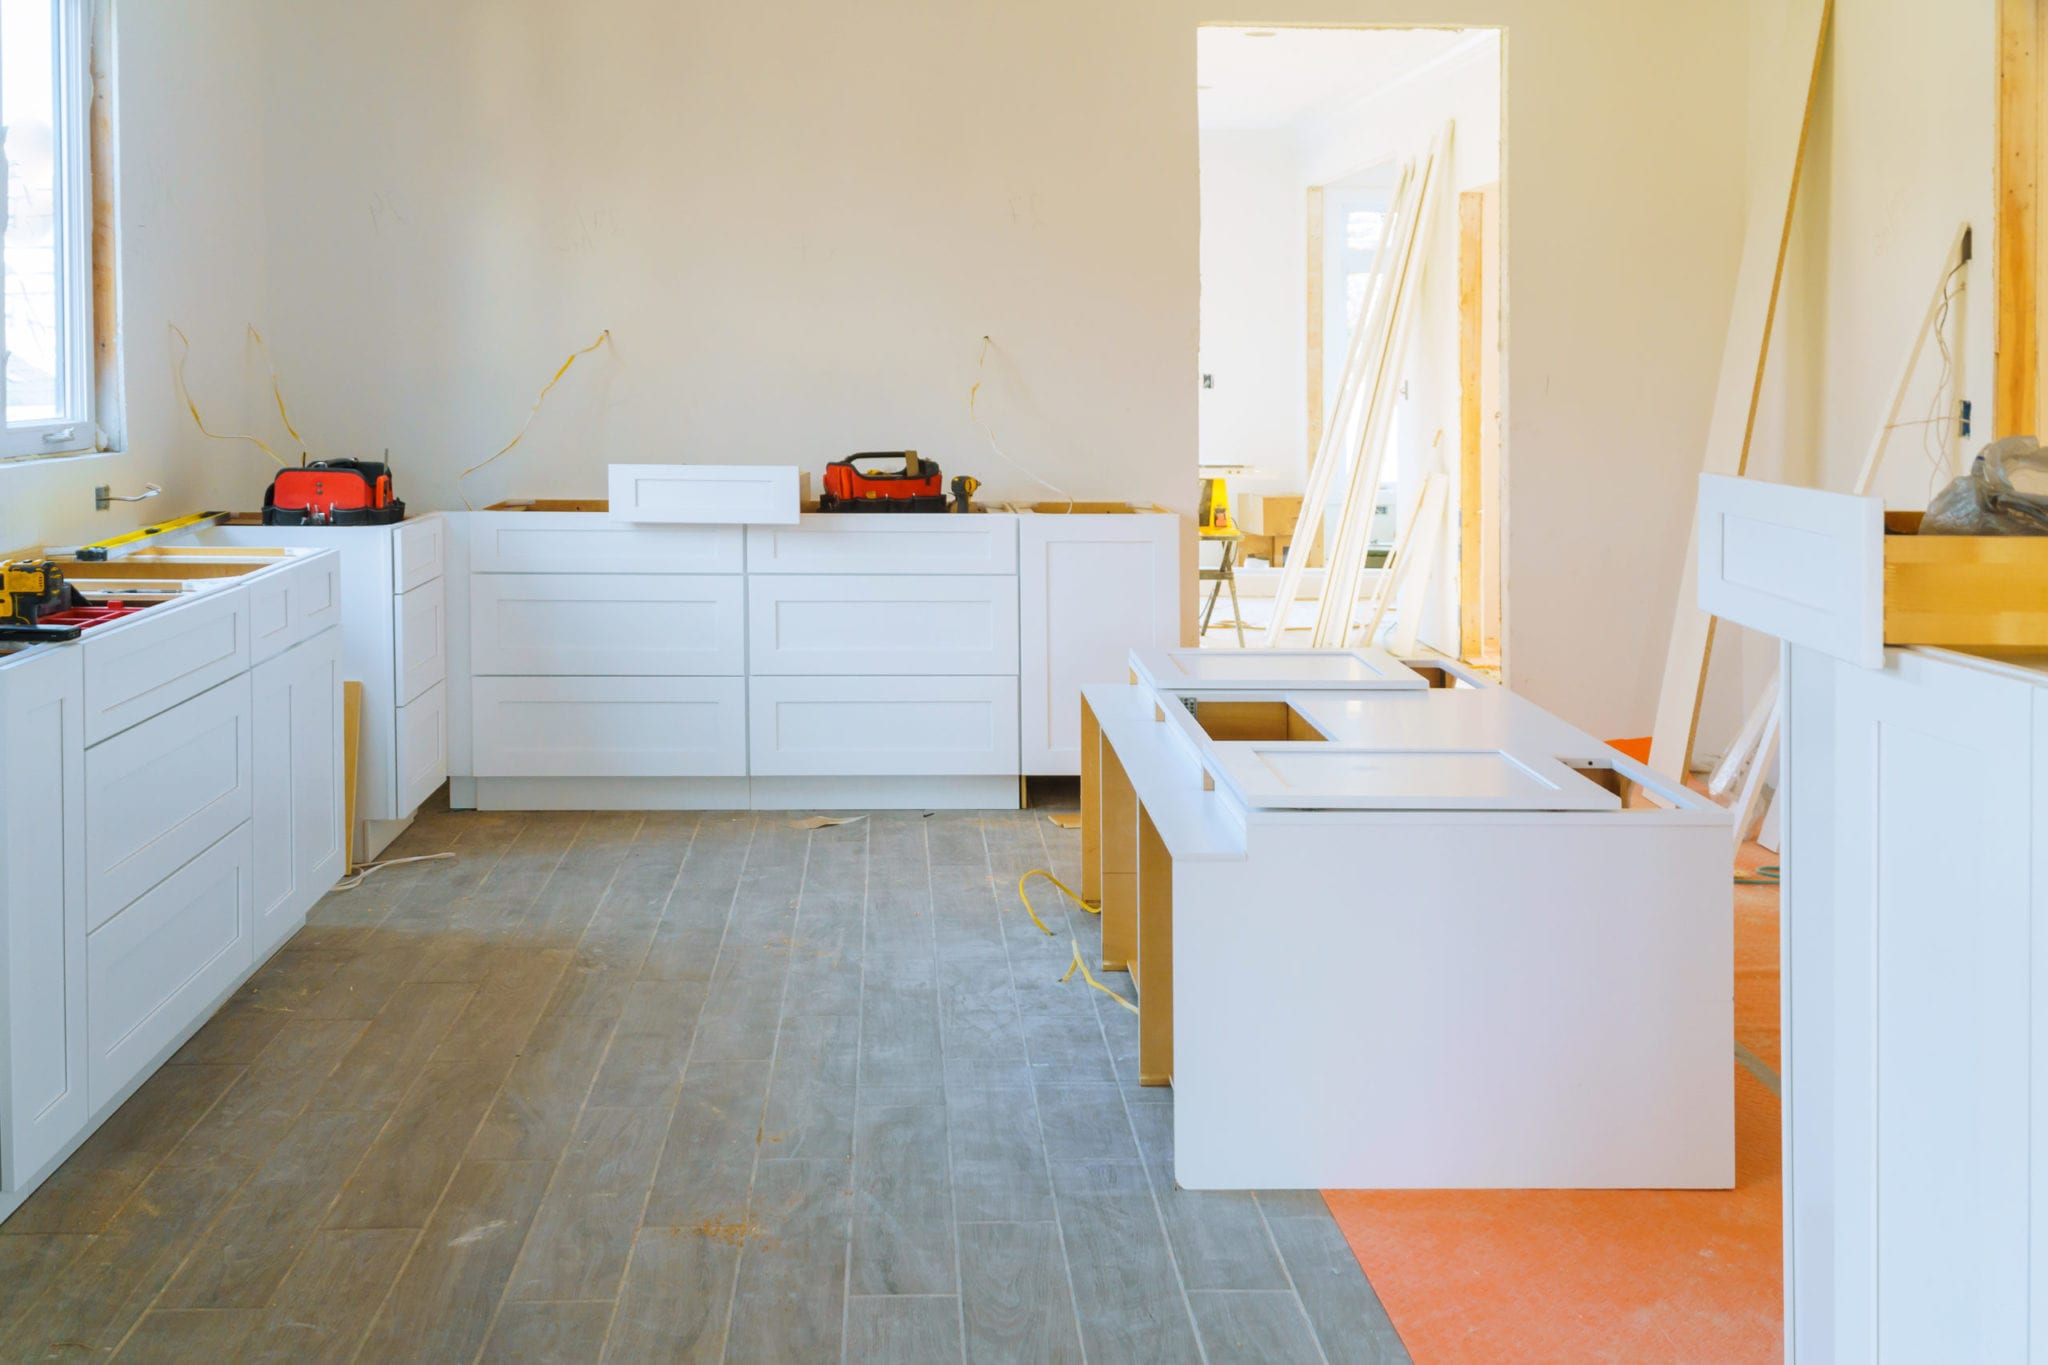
[[419, 550], [156, 660], [156, 967], [590, 542], [882, 625], [704, 494], [422, 747], [881, 727], [319, 596], [422, 628], [611, 727], [161, 792], [853, 542], [606, 625], [1797, 563]]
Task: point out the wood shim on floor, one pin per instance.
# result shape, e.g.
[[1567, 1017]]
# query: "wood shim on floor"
[[1066, 819], [1787, 93]]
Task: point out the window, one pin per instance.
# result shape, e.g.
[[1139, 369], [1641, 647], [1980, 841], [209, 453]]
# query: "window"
[[45, 102]]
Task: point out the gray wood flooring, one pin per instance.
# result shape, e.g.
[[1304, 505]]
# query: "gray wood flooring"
[[669, 1087]]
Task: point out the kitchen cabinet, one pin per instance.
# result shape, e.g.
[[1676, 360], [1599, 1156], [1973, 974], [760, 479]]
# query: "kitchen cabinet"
[[295, 710]]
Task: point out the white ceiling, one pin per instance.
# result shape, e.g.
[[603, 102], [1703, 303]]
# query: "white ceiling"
[[1297, 73]]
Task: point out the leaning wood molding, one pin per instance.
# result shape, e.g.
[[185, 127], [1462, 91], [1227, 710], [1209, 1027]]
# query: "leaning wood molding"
[[2016, 379], [1316, 211], [1788, 112], [1471, 489]]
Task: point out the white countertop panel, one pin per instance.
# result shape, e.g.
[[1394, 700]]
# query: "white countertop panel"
[[1348, 669]]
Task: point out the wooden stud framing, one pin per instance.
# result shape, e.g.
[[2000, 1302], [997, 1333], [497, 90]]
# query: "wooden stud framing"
[[1471, 491], [2016, 379]]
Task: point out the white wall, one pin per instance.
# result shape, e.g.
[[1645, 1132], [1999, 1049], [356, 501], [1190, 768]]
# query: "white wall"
[[190, 109], [1254, 336], [1902, 149]]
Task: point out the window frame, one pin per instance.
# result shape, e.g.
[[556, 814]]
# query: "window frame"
[[71, 84]]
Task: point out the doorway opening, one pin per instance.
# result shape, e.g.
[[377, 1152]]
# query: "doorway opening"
[[1310, 242]]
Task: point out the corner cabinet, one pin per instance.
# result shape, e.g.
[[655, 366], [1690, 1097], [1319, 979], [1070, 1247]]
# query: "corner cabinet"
[[1092, 586], [43, 1087]]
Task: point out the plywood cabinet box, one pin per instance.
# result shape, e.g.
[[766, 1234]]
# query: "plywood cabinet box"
[[1415, 933], [1914, 810], [843, 660], [170, 809]]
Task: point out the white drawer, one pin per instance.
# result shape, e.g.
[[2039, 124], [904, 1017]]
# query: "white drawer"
[[606, 625], [422, 747], [422, 630], [590, 542], [150, 663], [419, 549], [611, 727], [159, 793], [158, 966], [1797, 563], [319, 601], [705, 494], [856, 542], [878, 624], [881, 727]]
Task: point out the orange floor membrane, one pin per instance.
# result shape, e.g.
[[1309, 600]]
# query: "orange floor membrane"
[[1597, 1275]]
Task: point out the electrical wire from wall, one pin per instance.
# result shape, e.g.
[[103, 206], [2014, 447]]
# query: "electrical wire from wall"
[[546, 389], [973, 393], [277, 391], [1935, 446], [181, 352]]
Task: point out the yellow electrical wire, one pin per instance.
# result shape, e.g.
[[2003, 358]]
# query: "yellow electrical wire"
[[602, 338], [178, 377], [1079, 965], [276, 388]]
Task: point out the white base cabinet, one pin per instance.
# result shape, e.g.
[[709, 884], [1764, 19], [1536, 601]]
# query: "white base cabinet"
[[295, 724]]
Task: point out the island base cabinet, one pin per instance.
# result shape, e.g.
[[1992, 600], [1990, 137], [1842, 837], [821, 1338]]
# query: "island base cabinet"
[[298, 785], [43, 1085]]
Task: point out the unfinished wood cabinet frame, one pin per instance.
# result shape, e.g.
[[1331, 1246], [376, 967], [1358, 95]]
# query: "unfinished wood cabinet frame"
[[2022, 32], [1152, 969], [1118, 836], [1091, 805]]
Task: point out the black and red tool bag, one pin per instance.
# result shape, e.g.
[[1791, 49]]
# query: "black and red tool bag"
[[333, 493], [915, 486]]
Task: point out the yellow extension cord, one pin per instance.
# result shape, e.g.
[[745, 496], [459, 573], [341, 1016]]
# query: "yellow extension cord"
[[1079, 965]]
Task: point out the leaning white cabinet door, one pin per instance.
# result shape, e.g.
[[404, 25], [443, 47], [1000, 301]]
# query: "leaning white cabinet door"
[[606, 625], [851, 624], [139, 667], [422, 747], [296, 737], [159, 966], [157, 794], [610, 727], [705, 494], [43, 1101], [1801, 564], [882, 727], [1090, 588]]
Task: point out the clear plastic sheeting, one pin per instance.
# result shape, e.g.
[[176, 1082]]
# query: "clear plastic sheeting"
[[2004, 494]]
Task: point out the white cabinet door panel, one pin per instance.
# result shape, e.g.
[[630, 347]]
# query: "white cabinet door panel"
[[44, 1100], [159, 793], [155, 968], [854, 624], [296, 738], [862, 727], [704, 494], [1090, 588], [852, 542], [590, 542], [419, 549], [1798, 563], [422, 747], [146, 665], [422, 639], [611, 727], [606, 625], [319, 596]]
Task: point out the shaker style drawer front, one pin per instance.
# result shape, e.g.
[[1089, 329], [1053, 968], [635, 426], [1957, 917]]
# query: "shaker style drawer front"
[[578, 543], [136, 669], [849, 542], [882, 727], [422, 747], [875, 625], [606, 625], [705, 494], [611, 727], [419, 552], [422, 639]]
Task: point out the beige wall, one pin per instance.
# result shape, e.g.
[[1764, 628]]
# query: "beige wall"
[[799, 219]]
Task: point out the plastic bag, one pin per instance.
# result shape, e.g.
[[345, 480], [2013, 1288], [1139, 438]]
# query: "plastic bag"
[[2004, 494]]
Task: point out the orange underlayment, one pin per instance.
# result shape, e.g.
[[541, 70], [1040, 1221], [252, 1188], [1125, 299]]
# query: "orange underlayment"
[[1598, 1275]]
